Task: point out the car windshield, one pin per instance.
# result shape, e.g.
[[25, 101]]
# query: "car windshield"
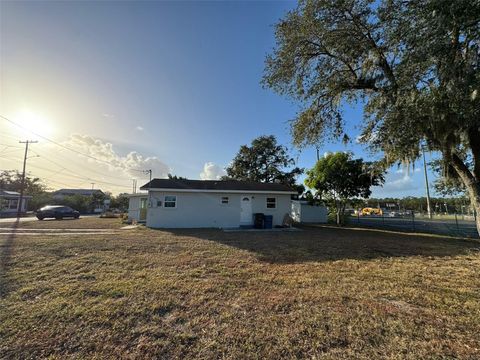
[[51, 207]]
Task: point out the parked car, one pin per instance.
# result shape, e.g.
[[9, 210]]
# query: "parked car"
[[56, 211]]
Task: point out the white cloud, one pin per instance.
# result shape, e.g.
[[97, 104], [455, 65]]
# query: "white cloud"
[[105, 152], [212, 172], [139, 128], [407, 170], [108, 116]]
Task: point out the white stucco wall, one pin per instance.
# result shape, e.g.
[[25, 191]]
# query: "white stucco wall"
[[134, 206], [305, 213], [283, 207], [203, 209]]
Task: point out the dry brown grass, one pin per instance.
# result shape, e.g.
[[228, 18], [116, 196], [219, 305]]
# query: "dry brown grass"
[[89, 222], [208, 294]]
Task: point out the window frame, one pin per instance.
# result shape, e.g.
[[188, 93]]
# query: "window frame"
[[274, 202], [165, 201]]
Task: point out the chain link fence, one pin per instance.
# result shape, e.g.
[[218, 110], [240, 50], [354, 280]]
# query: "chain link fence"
[[445, 224]]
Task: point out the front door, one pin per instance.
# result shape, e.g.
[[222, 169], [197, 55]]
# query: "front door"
[[143, 209], [246, 210]]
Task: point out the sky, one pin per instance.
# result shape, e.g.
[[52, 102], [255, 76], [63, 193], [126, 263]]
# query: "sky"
[[168, 86]]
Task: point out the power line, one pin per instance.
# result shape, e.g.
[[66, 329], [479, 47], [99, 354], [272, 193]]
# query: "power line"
[[48, 158], [63, 146], [73, 175]]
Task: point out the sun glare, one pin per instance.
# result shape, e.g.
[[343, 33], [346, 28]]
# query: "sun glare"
[[33, 123]]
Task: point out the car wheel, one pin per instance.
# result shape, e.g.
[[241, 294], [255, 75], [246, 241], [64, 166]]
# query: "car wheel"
[[76, 216], [40, 217], [59, 217]]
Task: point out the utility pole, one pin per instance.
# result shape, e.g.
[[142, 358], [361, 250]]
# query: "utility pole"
[[93, 185], [149, 171], [22, 188], [429, 209], [318, 152]]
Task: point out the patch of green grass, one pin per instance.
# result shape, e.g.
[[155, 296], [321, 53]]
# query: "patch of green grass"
[[331, 293]]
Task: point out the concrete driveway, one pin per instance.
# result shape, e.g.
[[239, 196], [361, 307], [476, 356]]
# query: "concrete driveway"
[[22, 219]]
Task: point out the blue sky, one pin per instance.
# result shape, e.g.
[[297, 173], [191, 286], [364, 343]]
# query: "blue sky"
[[169, 85]]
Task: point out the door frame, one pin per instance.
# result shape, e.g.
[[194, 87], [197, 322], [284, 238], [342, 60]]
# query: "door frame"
[[250, 217], [142, 209]]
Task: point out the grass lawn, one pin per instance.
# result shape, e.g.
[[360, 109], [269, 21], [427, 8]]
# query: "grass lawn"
[[89, 222], [322, 292]]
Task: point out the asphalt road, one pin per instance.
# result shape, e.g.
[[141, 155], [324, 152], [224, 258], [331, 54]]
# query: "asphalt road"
[[440, 227]]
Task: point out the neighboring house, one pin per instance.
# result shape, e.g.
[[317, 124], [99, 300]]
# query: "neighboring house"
[[176, 203], [9, 203], [302, 212]]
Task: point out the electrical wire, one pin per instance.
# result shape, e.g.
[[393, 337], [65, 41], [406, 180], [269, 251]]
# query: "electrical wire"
[[61, 145]]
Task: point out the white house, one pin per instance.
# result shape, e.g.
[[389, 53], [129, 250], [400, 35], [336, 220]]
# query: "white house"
[[9, 203], [174, 203]]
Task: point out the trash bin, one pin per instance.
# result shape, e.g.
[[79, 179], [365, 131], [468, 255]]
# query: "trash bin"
[[268, 222], [258, 220]]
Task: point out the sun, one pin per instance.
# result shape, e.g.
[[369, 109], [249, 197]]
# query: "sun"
[[33, 123]]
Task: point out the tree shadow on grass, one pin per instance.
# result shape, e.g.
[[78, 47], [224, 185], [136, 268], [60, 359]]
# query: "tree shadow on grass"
[[329, 244], [6, 249]]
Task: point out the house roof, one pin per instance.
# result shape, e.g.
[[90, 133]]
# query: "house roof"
[[86, 192], [12, 194], [216, 185]]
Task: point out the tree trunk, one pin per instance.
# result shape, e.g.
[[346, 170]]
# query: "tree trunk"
[[471, 184]]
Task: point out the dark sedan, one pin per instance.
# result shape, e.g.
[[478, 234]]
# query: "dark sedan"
[[57, 211]]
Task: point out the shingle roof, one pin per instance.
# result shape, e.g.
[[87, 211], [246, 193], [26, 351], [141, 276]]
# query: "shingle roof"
[[226, 185], [86, 192]]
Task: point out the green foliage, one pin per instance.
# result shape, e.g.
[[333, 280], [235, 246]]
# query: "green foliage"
[[337, 178], [40, 200], [175, 177], [414, 65], [78, 202], [12, 180], [264, 161], [119, 202]]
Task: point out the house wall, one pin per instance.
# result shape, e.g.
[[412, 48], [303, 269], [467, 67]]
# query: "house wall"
[[283, 207], [203, 209], [134, 208], [10, 205], [305, 213]]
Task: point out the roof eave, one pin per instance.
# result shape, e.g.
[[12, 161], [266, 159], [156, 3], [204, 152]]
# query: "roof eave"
[[277, 192]]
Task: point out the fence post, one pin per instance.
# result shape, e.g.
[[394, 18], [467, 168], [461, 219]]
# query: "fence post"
[[413, 220], [456, 222]]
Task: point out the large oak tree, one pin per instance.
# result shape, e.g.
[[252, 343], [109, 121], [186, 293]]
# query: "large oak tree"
[[413, 65], [264, 161]]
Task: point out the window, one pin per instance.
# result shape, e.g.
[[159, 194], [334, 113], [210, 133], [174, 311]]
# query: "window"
[[224, 199], [13, 204], [159, 203], [170, 201], [271, 203]]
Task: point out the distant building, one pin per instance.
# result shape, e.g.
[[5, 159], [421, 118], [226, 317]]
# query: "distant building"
[[62, 193], [9, 203], [97, 208]]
